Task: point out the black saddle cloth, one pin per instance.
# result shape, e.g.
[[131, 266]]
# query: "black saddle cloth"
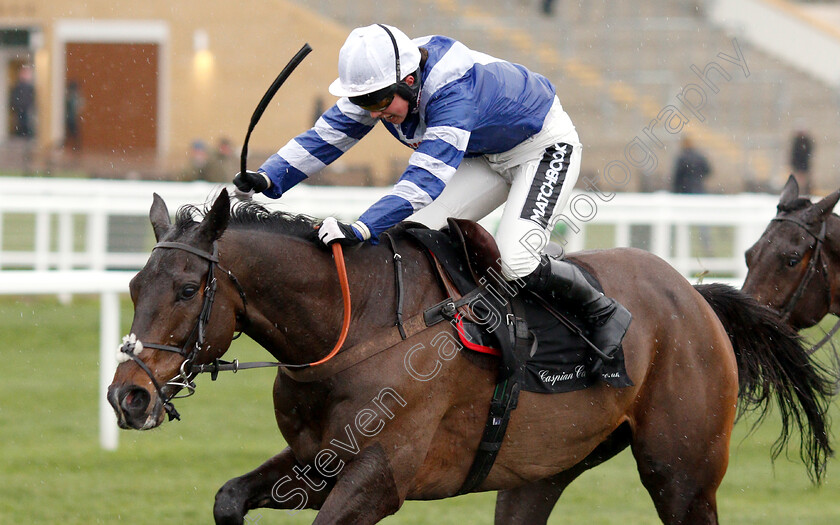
[[543, 354]]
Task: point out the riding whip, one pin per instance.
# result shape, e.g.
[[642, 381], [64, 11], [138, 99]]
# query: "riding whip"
[[266, 99]]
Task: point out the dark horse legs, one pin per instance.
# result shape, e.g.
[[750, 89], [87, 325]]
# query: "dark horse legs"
[[256, 488], [683, 470], [364, 493], [676, 482]]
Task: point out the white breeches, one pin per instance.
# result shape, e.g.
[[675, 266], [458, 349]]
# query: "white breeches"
[[534, 180]]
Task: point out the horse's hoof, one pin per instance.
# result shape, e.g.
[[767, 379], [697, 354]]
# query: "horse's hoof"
[[228, 510]]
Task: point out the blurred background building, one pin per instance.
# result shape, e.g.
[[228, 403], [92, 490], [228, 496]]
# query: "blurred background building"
[[123, 90]]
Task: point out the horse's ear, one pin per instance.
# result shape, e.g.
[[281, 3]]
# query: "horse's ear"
[[823, 208], [216, 220], [159, 215], [790, 192]]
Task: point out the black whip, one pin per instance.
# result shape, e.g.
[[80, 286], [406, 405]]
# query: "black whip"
[[281, 78]]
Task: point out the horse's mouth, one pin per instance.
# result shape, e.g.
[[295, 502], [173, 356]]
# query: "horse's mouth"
[[138, 420]]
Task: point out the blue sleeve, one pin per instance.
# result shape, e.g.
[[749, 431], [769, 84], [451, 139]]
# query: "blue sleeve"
[[341, 127]]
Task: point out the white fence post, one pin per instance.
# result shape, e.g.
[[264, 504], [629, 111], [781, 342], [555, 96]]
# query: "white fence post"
[[97, 239], [109, 333], [42, 240], [65, 248]]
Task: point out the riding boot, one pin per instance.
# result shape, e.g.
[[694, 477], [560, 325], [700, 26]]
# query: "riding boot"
[[564, 282]]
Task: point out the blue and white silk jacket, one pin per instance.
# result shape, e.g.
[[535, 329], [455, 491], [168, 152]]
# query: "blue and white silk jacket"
[[471, 104]]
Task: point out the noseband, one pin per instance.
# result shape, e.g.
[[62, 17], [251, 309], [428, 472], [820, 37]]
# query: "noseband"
[[132, 347]]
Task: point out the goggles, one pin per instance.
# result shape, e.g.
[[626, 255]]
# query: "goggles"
[[377, 101]]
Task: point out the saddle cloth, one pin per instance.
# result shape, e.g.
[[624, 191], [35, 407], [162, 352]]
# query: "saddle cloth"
[[539, 349]]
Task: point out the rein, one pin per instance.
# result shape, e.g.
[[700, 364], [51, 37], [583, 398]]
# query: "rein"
[[806, 279]]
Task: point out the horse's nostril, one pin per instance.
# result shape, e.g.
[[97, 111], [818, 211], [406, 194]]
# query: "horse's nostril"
[[135, 400]]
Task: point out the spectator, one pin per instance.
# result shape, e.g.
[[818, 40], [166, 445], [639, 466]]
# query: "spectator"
[[801, 151], [222, 162], [73, 104], [197, 165], [318, 109], [690, 169], [22, 104], [548, 7]]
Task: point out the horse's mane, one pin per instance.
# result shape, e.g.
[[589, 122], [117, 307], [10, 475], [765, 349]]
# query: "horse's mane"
[[253, 216]]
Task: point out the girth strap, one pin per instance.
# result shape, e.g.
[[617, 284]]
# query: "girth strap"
[[399, 282], [505, 398]]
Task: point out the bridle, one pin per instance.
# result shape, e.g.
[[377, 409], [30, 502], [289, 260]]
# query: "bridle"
[[132, 346], [816, 259], [816, 264]]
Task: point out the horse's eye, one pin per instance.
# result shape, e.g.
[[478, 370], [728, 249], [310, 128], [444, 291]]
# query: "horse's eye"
[[793, 261], [188, 291]]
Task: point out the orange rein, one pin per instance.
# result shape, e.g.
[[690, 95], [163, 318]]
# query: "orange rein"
[[338, 255]]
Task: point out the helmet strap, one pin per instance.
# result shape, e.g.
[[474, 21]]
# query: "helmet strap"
[[409, 93]]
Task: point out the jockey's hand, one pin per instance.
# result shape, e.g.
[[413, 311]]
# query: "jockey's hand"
[[332, 231], [252, 181]]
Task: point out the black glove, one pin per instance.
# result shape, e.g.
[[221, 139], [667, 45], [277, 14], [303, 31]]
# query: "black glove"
[[251, 181], [332, 231]]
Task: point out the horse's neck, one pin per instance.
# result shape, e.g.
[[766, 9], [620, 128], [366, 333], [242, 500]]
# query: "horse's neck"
[[294, 297]]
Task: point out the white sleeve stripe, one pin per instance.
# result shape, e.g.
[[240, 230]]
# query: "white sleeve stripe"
[[333, 137], [436, 167], [457, 138], [412, 193], [299, 158], [354, 112], [363, 229]]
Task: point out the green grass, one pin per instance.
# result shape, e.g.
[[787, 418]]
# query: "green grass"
[[53, 471]]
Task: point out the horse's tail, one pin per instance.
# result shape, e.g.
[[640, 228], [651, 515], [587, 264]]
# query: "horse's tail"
[[773, 363]]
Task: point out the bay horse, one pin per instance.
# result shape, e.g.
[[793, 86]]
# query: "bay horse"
[[405, 423], [794, 267]]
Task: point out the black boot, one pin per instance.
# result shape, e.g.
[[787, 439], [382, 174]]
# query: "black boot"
[[564, 282]]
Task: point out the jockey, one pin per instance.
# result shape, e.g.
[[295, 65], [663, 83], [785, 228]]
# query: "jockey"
[[485, 132]]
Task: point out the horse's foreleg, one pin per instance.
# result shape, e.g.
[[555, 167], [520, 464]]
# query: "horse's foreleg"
[[364, 494], [274, 484]]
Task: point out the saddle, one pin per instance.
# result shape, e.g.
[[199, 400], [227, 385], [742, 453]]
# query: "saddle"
[[540, 344]]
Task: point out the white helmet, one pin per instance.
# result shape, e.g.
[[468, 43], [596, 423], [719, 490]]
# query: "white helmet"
[[367, 63]]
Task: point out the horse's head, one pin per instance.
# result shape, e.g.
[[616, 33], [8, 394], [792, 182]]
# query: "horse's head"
[[179, 319], [788, 270]]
